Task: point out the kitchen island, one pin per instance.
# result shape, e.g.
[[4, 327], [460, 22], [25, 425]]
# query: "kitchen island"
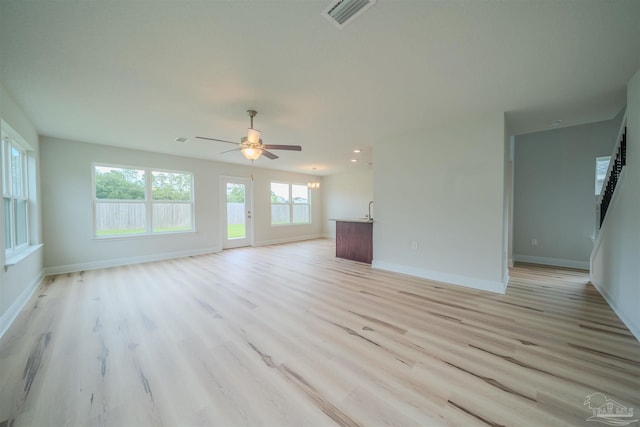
[[354, 239]]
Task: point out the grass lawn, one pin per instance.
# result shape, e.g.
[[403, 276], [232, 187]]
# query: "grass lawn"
[[235, 231], [117, 232]]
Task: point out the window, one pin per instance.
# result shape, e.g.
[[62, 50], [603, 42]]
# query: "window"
[[172, 207], [289, 204], [15, 196], [602, 165], [130, 201]]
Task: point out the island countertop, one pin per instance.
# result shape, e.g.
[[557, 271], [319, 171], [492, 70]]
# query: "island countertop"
[[354, 239]]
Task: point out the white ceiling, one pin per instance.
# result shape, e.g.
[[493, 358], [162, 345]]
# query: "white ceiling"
[[141, 73]]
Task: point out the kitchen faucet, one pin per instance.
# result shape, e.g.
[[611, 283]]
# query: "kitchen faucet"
[[370, 217]]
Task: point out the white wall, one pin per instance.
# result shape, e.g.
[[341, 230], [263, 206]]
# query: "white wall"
[[20, 280], [554, 192], [443, 189], [68, 205], [615, 261], [347, 196]]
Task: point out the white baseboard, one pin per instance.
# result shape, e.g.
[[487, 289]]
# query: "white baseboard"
[[288, 240], [70, 268], [635, 329], [454, 279], [556, 262], [18, 304]]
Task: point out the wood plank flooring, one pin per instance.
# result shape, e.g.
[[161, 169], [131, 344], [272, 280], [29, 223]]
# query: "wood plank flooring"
[[289, 335]]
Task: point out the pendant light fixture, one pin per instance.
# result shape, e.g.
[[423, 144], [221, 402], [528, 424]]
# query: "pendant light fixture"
[[313, 184]]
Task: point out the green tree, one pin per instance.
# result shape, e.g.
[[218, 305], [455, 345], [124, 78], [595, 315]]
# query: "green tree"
[[235, 194], [119, 184], [171, 186]]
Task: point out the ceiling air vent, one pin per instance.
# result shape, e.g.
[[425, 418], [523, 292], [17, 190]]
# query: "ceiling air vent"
[[341, 12]]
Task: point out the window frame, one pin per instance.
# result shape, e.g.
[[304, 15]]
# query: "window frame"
[[291, 204], [189, 202], [599, 184], [148, 201], [9, 142]]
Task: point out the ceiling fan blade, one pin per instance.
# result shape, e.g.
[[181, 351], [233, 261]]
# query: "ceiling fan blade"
[[228, 151], [269, 154], [219, 140], [284, 147]]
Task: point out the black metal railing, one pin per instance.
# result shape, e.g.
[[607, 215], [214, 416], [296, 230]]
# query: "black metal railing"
[[618, 161]]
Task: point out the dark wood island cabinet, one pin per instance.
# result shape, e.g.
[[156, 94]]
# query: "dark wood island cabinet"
[[354, 240]]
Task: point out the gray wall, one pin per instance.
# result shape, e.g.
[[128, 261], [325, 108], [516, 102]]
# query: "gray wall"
[[439, 203], [554, 200], [615, 262]]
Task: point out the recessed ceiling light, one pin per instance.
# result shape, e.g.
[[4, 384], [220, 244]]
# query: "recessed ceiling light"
[[356, 150], [556, 122], [354, 160]]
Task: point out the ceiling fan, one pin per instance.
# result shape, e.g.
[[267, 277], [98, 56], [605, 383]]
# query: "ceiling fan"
[[251, 146]]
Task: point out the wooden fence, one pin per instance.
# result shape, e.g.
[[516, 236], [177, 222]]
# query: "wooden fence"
[[123, 216], [236, 213], [131, 216]]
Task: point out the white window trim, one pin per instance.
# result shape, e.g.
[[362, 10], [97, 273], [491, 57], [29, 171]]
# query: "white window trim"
[[15, 258], [9, 138], [291, 204], [148, 202]]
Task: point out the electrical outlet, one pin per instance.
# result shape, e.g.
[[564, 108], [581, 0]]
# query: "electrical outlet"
[[414, 245], [534, 242]]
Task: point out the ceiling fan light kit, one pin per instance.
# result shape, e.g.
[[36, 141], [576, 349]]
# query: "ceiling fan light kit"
[[252, 143], [251, 146], [251, 153], [253, 136]]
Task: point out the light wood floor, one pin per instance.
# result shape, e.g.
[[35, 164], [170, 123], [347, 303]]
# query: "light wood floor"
[[290, 335]]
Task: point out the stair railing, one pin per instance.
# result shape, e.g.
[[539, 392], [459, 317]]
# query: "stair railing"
[[618, 161]]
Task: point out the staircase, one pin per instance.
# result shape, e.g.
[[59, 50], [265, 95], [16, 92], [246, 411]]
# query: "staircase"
[[618, 161]]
